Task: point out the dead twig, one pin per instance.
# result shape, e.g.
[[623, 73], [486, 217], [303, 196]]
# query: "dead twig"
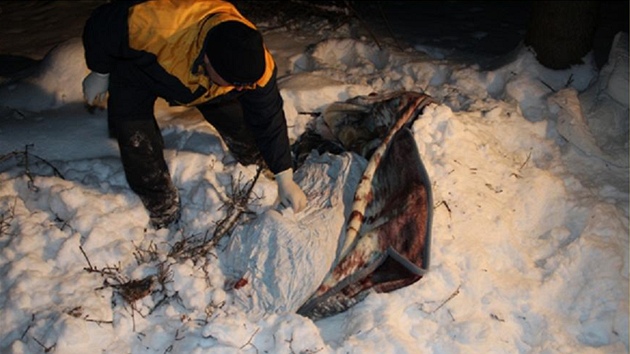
[[363, 23], [192, 248], [389, 27], [237, 206], [107, 271], [455, 293], [129, 290], [148, 255], [323, 7], [529, 155], [77, 312], [46, 349], [249, 342], [30, 324], [445, 205], [6, 219], [23, 158], [567, 84], [86, 319]]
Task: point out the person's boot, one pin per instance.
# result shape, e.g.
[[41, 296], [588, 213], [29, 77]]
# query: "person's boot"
[[141, 150], [165, 210]]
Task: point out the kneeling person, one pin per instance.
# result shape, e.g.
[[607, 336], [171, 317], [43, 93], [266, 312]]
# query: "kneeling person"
[[192, 53]]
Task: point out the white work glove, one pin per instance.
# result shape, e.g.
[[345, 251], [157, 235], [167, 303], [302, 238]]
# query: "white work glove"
[[289, 192], [95, 88]]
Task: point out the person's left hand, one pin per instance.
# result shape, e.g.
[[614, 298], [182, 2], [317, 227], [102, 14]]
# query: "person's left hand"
[[289, 192], [95, 87]]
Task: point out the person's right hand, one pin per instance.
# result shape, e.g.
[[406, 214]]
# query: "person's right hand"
[[95, 87], [289, 193]]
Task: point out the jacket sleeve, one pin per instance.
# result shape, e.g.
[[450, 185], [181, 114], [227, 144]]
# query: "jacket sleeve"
[[105, 36], [263, 111]]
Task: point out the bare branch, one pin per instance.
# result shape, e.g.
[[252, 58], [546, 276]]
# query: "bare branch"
[[23, 158], [237, 206], [249, 342], [455, 293], [46, 349], [6, 219]]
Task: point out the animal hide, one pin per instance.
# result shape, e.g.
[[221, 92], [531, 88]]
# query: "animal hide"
[[367, 224], [387, 239]]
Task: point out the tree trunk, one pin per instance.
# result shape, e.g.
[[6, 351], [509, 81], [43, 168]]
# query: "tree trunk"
[[561, 32]]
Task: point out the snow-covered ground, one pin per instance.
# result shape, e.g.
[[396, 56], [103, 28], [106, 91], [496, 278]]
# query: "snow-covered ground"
[[530, 182]]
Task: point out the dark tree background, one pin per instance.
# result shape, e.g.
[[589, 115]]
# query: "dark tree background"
[[561, 32]]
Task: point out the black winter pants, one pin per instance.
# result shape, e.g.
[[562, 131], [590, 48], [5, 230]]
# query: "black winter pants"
[[131, 119], [227, 118]]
